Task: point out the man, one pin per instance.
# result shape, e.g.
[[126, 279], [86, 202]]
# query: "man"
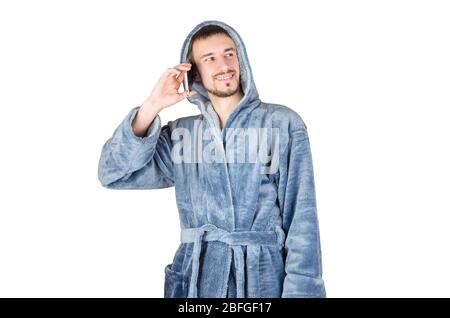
[[246, 231]]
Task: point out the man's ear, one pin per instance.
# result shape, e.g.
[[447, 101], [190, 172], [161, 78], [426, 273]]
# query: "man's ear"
[[196, 75]]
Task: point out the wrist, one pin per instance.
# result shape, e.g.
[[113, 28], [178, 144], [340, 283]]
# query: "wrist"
[[149, 106]]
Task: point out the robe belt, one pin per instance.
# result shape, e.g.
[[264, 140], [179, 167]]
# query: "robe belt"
[[235, 240]]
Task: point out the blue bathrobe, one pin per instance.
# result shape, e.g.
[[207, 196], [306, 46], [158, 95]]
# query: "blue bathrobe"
[[244, 233]]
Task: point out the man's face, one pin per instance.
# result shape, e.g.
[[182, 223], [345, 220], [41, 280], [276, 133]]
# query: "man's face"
[[218, 65]]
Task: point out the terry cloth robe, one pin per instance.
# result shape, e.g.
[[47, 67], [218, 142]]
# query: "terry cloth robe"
[[244, 233]]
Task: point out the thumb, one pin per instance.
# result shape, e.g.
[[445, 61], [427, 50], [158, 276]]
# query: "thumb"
[[185, 94], [192, 92]]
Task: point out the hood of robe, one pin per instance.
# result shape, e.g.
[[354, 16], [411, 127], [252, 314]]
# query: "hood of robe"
[[201, 99]]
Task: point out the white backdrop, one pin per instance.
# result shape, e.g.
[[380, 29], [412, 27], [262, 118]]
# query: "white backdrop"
[[370, 79]]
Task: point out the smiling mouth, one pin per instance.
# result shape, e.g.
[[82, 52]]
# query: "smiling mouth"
[[225, 77]]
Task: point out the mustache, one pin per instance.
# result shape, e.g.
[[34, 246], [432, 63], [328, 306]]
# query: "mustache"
[[223, 73]]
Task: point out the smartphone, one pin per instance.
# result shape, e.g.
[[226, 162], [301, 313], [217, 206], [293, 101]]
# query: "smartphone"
[[186, 82]]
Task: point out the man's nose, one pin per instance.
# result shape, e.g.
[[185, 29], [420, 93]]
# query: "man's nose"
[[224, 65]]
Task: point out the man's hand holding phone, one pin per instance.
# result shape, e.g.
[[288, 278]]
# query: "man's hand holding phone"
[[164, 94]]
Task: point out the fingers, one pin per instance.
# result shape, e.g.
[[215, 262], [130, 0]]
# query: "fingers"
[[180, 77], [171, 72], [178, 71], [182, 68]]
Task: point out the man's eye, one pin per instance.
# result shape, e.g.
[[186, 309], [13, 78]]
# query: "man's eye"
[[209, 59], [229, 54]]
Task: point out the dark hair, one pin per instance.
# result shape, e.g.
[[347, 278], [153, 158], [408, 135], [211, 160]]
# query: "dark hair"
[[204, 33]]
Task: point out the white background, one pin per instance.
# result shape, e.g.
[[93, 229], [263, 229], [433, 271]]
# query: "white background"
[[371, 80]]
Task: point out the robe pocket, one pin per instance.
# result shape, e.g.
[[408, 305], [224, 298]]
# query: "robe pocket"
[[175, 283]]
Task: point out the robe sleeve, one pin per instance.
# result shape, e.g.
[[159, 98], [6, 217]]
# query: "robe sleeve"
[[303, 264], [131, 162]]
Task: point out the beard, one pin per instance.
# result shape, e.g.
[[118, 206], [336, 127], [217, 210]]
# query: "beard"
[[227, 92], [222, 93]]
